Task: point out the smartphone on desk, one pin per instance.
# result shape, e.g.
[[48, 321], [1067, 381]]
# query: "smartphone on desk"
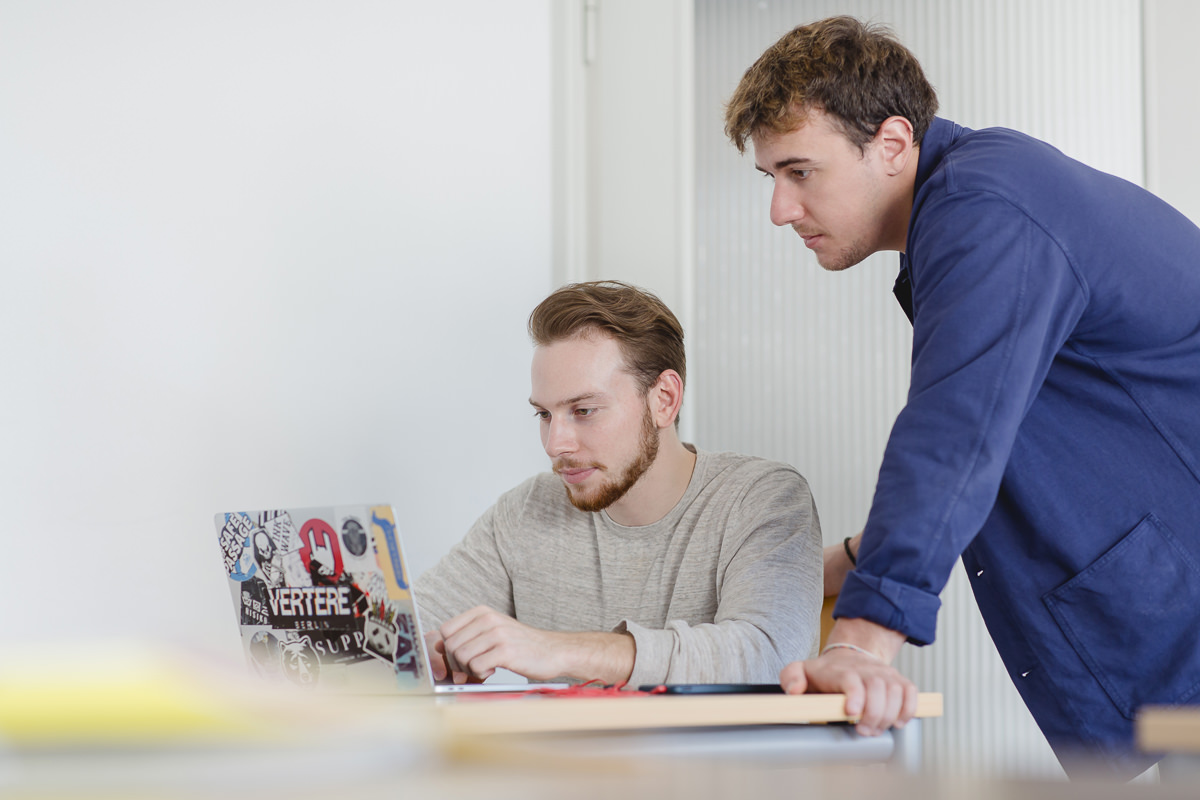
[[713, 688]]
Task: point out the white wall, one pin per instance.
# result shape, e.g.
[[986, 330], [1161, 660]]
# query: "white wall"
[[257, 254], [624, 161], [624, 164], [1172, 64]]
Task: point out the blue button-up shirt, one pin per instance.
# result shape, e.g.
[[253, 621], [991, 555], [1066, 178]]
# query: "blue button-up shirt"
[[1051, 435]]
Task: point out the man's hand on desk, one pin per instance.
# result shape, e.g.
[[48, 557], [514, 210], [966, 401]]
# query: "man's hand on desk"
[[476, 643], [875, 692]]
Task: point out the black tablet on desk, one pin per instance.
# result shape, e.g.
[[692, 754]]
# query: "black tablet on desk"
[[713, 688]]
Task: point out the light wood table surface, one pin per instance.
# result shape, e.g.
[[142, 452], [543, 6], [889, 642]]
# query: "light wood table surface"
[[538, 714]]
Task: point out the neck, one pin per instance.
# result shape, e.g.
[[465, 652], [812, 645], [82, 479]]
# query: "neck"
[[904, 203], [660, 488]]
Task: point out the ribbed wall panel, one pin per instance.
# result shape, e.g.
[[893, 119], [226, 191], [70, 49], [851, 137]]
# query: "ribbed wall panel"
[[808, 367]]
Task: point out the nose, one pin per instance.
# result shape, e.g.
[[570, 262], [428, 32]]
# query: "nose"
[[785, 205], [558, 437]]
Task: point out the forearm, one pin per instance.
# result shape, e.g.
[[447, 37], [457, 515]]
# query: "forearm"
[[732, 651], [838, 564], [607, 657], [483, 640]]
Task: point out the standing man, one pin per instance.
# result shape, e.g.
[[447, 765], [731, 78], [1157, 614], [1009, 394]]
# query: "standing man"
[[639, 558], [1052, 431]]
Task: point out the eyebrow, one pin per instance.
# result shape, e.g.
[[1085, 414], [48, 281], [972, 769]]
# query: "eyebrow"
[[573, 400], [787, 162]]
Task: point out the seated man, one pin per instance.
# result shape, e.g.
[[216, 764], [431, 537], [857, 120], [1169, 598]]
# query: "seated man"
[[639, 559]]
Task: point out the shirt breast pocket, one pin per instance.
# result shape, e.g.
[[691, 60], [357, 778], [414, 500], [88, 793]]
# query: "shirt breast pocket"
[[1133, 616]]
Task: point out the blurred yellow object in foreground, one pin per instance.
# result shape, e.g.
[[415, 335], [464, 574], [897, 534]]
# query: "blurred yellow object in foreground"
[[122, 695]]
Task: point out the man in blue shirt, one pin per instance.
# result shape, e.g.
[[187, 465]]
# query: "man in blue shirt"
[[1051, 436]]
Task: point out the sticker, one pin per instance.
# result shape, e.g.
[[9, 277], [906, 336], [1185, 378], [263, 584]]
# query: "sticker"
[[235, 546], [354, 538], [407, 647], [264, 655], [299, 661], [381, 636], [255, 606], [320, 552], [314, 608], [384, 528]]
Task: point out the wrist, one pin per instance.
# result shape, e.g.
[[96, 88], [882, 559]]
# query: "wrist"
[[864, 635], [852, 648], [606, 657]]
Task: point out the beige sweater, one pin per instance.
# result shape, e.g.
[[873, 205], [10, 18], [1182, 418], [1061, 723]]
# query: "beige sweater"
[[725, 588]]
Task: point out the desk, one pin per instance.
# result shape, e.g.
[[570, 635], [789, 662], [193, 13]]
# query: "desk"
[[385, 748], [1172, 730], [789, 729], [1175, 732], [146, 709]]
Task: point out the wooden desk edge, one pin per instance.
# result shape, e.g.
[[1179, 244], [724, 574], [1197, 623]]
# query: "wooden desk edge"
[[1167, 729], [546, 715]]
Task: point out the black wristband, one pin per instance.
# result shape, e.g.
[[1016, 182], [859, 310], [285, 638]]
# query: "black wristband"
[[849, 555]]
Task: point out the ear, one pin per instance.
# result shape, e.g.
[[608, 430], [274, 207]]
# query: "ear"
[[665, 397], [894, 144]]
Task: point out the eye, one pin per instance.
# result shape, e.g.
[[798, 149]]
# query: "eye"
[[585, 412], [801, 174], [542, 414]]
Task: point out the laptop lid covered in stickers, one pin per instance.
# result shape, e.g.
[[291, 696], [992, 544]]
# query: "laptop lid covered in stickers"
[[323, 599]]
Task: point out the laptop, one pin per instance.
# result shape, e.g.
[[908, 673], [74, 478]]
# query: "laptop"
[[323, 600]]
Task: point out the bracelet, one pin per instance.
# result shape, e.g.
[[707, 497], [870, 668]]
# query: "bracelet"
[[849, 555], [854, 647]]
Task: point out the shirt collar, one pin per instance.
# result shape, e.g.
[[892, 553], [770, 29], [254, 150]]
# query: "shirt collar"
[[941, 135]]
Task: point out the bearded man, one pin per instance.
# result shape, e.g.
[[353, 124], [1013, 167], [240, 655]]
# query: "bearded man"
[[638, 559]]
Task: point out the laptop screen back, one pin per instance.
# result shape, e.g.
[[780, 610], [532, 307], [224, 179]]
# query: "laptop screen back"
[[323, 599]]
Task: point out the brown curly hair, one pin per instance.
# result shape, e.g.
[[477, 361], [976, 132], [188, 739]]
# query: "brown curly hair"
[[858, 73]]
